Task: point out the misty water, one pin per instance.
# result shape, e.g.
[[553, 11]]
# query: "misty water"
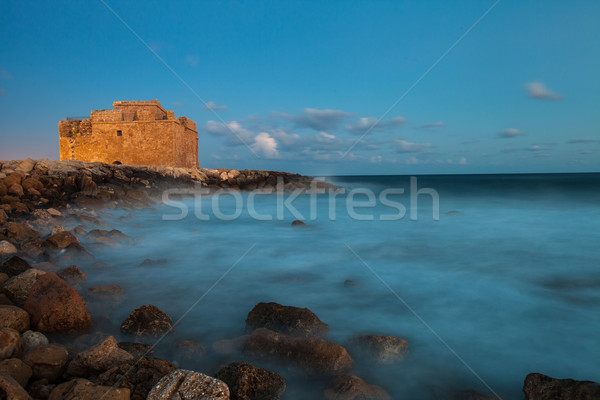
[[505, 283]]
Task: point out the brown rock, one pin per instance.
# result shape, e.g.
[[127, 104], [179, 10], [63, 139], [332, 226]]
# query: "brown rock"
[[98, 359], [82, 389], [16, 369], [40, 389], [299, 322], [7, 248], [229, 347], [147, 320], [350, 387], [137, 350], [14, 266], [25, 166], [16, 190], [313, 355], [13, 178], [541, 387], [298, 223], [55, 306], [61, 240], [11, 344], [14, 317], [32, 183], [4, 300], [248, 382], [72, 275], [183, 384], [106, 293], [18, 288], [11, 390], [378, 348], [47, 361], [20, 231]]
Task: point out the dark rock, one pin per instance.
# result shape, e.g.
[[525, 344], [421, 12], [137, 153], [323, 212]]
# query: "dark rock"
[[298, 223], [378, 348], [350, 387], [72, 275], [47, 361], [14, 266], [20, 232], [18, 288], [106, 293], [313, 355], [248, 382], [55, 306], [183, 384], [229, 347], [541, 387], [11, 390], [151, 263], [16, 369], [82, 389], [11, 344], [98, 359], [147, 320], [40, 389], [61, 240], [350, 282], [137, 350], [5, 301], [300, 322], [14, 317], [33, 339]]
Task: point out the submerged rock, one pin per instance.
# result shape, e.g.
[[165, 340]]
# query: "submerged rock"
[[379, 349], [248, 382], [350, 387], [106, 293], [183, 384], [137, 350], [147, 320], [300, 322], [72, 275], [98, 359], [82, 389], [541, 387], [298, 223]]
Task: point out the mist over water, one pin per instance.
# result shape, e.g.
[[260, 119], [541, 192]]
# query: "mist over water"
[[508, 277]]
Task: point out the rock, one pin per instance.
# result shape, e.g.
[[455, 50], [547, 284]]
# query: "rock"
[[188, 350], [57, 229], [14, 317], [298, 223], [147, 320], [32, 183], [82, 389], [4, 300], [350, 387], [98, 359], [33, 339], [11, 390], [48, 361], [3, 278], [3, 216], [40, 389], [541, 387], [137, 350], [7, 248], [378, 348], [54, 212], [55, 306], [11, 344], [151, 263], [20, 231], [18, 288], [350, 282], [313, 355], [25, 166], [228, 347], [16, 369], [73, 253], [14, 266], [299, 322], [183, 384], [61, 240], [72, 275], [106, 293], [139, 376], [16, 190], [248, 382]]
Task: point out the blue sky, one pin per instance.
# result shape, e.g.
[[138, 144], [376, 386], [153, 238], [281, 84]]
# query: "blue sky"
[[295, 85]]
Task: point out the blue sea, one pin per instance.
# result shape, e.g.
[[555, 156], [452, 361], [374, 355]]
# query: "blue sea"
[[504, 282]]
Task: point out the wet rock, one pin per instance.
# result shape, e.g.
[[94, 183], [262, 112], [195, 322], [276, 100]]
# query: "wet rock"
[[18, 288], [72, 275], [298, 223], [183, 384], [33, 339], [541, 387], [139, 376], [14, 266], [379, 349], [350, 387], [137, 350], [313, 355], [73, 253], [300, 322], [106, 293], [11, 390], [61, 240], [16, 369], [14, 317], [248, 382], [82, 389], [98, 359], [20, 231], [55, 306], [7, 248], [188, 350], [47, 361], [57, 229], [113, 237], [11, 344], [147, 320]]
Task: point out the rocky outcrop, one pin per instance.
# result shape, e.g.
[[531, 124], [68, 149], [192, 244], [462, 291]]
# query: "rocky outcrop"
[[378, 349], [350, 387], [98, 359], [183, 384], [299, 322], [248, 382], [541, 387], [82, 389], [147, 320]]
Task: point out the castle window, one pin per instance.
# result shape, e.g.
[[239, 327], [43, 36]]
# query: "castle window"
[[119, 133]]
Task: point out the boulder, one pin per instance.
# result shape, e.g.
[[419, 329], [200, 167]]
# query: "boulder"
[[18, 288], [16, 190], [82, 389], [541, 387], [14, 317], [72, 275], [350, 387], [48, 361], [14, 266], [98, 359], [33, 339], [11, 344], [25, 166], [294, 321], [61, 240], [32, 183], [147, 320], [106, 293], [183, 384], [313, 355], [11, 390], [378, 349], [248, 382], [20, 231], [137, 350], [7, 248], [139, 376], [55, 306], [16, 369], [3, 216]]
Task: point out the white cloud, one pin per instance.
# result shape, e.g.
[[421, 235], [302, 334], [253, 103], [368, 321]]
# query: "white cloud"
[[409, 147], [211, 106], [234, 131], [433, 124], [216, 156], [462, 161], [510, 133], [539, 91], [370, 124], [583, 140], [319, 120], [265, 144]]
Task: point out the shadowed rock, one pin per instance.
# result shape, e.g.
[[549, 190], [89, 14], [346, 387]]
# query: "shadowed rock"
[[378, 349], [98, 359], [350, 387], [47, 361], [541, 387], [248, 382], [82, 389], [14, 317], [14, 266], [300, 322], [147, 320]]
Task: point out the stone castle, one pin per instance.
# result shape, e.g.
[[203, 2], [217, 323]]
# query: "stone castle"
[[133, 132]]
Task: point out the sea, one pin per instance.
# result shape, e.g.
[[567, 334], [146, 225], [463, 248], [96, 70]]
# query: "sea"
[[488, 277]]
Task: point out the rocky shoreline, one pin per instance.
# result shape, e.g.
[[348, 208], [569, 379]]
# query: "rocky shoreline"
[[53, 344]]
